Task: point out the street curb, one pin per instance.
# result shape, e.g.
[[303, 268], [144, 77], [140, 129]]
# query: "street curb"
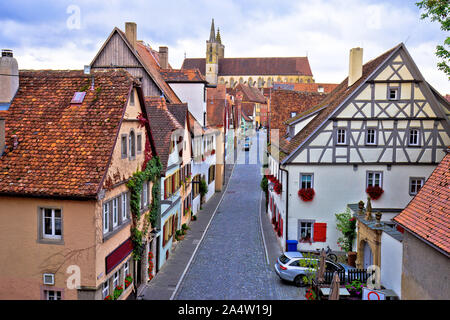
[[201, 239], [262, 230]]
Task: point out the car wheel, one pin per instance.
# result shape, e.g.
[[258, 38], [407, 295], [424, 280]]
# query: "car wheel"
[[298, 281]]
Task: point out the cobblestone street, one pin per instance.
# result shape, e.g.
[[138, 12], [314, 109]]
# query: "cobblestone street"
[[230, 262]]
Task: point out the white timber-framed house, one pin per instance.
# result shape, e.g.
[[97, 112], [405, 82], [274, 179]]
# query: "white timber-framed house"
[[383, 126]]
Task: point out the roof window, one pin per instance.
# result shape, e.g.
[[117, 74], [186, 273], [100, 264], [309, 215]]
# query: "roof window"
[[78, 98]]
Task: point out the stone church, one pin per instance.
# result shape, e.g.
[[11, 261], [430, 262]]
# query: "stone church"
[[257, 72]]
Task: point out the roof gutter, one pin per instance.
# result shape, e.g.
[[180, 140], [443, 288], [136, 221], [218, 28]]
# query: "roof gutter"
[[287, 203]]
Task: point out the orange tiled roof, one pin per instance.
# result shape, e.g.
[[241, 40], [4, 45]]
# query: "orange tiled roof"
[[283, 102], [250, 94], [182, 75], [309, 87], [215, 105], [428, 213], [63, 149], [162, 124]]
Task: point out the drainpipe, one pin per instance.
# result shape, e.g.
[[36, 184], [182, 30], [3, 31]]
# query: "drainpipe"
[[287, 204]]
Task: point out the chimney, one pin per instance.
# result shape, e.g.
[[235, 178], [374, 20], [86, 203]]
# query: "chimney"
[[2, 136], [164, 57], [9, 77], [355, 65], [131, 33]]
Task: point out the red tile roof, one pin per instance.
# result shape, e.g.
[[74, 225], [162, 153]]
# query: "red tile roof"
[[250, 94], [63, 149], [179, 111], [215, 105], [162, 124], [333, 101], [182, 75], [309, 87], [283, 102], [271, 66], [428, 214]]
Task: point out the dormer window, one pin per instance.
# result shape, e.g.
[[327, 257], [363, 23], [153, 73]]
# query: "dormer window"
[[78, 98], [293, 114], [320, 89]]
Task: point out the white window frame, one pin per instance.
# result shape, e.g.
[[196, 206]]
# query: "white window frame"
[[338, 134], [375, 137], [306, 228], [144, 200], [374, 173], [55, 294], [394, 89], [115, 212], [116, 281], [124, 146], [106, 222], [415, 179], [304, 174], [416, 143], [105, 289], [52, 218], [124, 204], [126, 268]]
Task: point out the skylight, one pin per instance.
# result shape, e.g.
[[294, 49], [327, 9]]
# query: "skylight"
[[78, 97]]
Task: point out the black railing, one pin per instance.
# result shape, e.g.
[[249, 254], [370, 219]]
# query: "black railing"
[[353, 274]]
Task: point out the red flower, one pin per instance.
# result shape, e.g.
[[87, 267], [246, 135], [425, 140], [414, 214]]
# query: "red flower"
[[277, 187], [374, 192], [306, 194]]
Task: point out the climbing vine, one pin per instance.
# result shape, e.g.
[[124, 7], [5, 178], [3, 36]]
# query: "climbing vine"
[[151, 173]]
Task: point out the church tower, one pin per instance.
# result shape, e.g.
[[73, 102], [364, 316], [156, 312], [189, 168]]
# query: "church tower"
[[214, 51]]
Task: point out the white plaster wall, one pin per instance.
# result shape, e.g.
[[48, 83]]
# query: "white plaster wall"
[[338, 185], [391, 263], [193, 94]]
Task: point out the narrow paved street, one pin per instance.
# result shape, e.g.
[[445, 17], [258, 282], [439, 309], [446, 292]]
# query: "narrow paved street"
[[230, 262]]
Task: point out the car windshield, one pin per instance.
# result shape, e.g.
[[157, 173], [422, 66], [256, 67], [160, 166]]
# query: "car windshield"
[[284, 259]]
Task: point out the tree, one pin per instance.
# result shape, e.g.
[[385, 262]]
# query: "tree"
[[438, 10], [346, 224]]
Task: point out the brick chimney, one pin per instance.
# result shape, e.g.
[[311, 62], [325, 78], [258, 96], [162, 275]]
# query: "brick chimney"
[[9, 77], [2, 136], [164, 57], [131, 33], [355, 65]]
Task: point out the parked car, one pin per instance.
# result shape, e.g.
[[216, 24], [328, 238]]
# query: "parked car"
[[288, 267]]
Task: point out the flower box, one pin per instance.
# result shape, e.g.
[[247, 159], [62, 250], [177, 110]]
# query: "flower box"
[[306, 194], [374, 192]]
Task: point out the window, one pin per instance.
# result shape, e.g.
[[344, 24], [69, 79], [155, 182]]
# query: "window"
[[414, 137], [195, 186], [132, 144], [341, 136], [211, 174], [52, 223], [132, 98], [124, 151], [374, 179], [105, 217], [126, 268], [144, 195], [306, 180], [320, 89], [52, 295], [393, 94], [139, 143], [116, 279], [105, 289], [115, 212], [124, 206], [293, 114], [415, 184], [371, 136], [306, 230]]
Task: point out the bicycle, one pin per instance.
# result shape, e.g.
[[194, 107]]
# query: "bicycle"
[[330, 255]]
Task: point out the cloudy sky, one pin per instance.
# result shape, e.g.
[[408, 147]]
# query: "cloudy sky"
[[67, 34]]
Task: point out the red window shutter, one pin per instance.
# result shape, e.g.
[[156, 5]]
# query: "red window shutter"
[[164, 235], [281, 226], [173, 183], [320, 232], [165, 188]]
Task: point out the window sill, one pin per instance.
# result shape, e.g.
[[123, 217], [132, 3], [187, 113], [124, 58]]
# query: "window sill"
[[110, 234], [50, 241]]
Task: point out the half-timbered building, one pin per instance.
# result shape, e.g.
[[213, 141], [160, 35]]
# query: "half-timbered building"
[[380, 133]]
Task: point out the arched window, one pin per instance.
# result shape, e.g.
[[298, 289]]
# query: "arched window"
[[269, 82], [241, 80], [250, 82], [221, 80], [231, 82], [260, 82], [132, 144]]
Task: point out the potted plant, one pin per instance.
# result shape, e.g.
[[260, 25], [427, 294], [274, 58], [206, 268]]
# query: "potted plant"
[[117, 292], [374, 192], [179, 235], [194, 218], [277, 187], [306, 194], [108, 297], [355, 288], [128, 280]]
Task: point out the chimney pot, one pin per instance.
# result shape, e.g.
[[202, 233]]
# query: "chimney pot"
[[131, 33], [355, 65], [164, 57]]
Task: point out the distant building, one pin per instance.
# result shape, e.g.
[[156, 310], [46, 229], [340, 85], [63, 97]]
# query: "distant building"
[[307, 87], [255, 72]]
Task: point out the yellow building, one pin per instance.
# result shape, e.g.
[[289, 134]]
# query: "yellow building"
[[257, 72]]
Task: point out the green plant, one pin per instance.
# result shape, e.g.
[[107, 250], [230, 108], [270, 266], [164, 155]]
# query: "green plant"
[[128, 280], [117, 292], [355, 287], [264, 184], [203, 187], [346, 224], [311, 264], [185, 226], [194, 218]]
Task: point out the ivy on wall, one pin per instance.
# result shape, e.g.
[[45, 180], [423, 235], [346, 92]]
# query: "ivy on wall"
[[151, 173]]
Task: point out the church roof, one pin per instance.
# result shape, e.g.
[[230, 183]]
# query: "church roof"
[[271, 66]]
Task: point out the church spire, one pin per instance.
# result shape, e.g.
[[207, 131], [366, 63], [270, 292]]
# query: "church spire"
[[212, 37], [218, 39]]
